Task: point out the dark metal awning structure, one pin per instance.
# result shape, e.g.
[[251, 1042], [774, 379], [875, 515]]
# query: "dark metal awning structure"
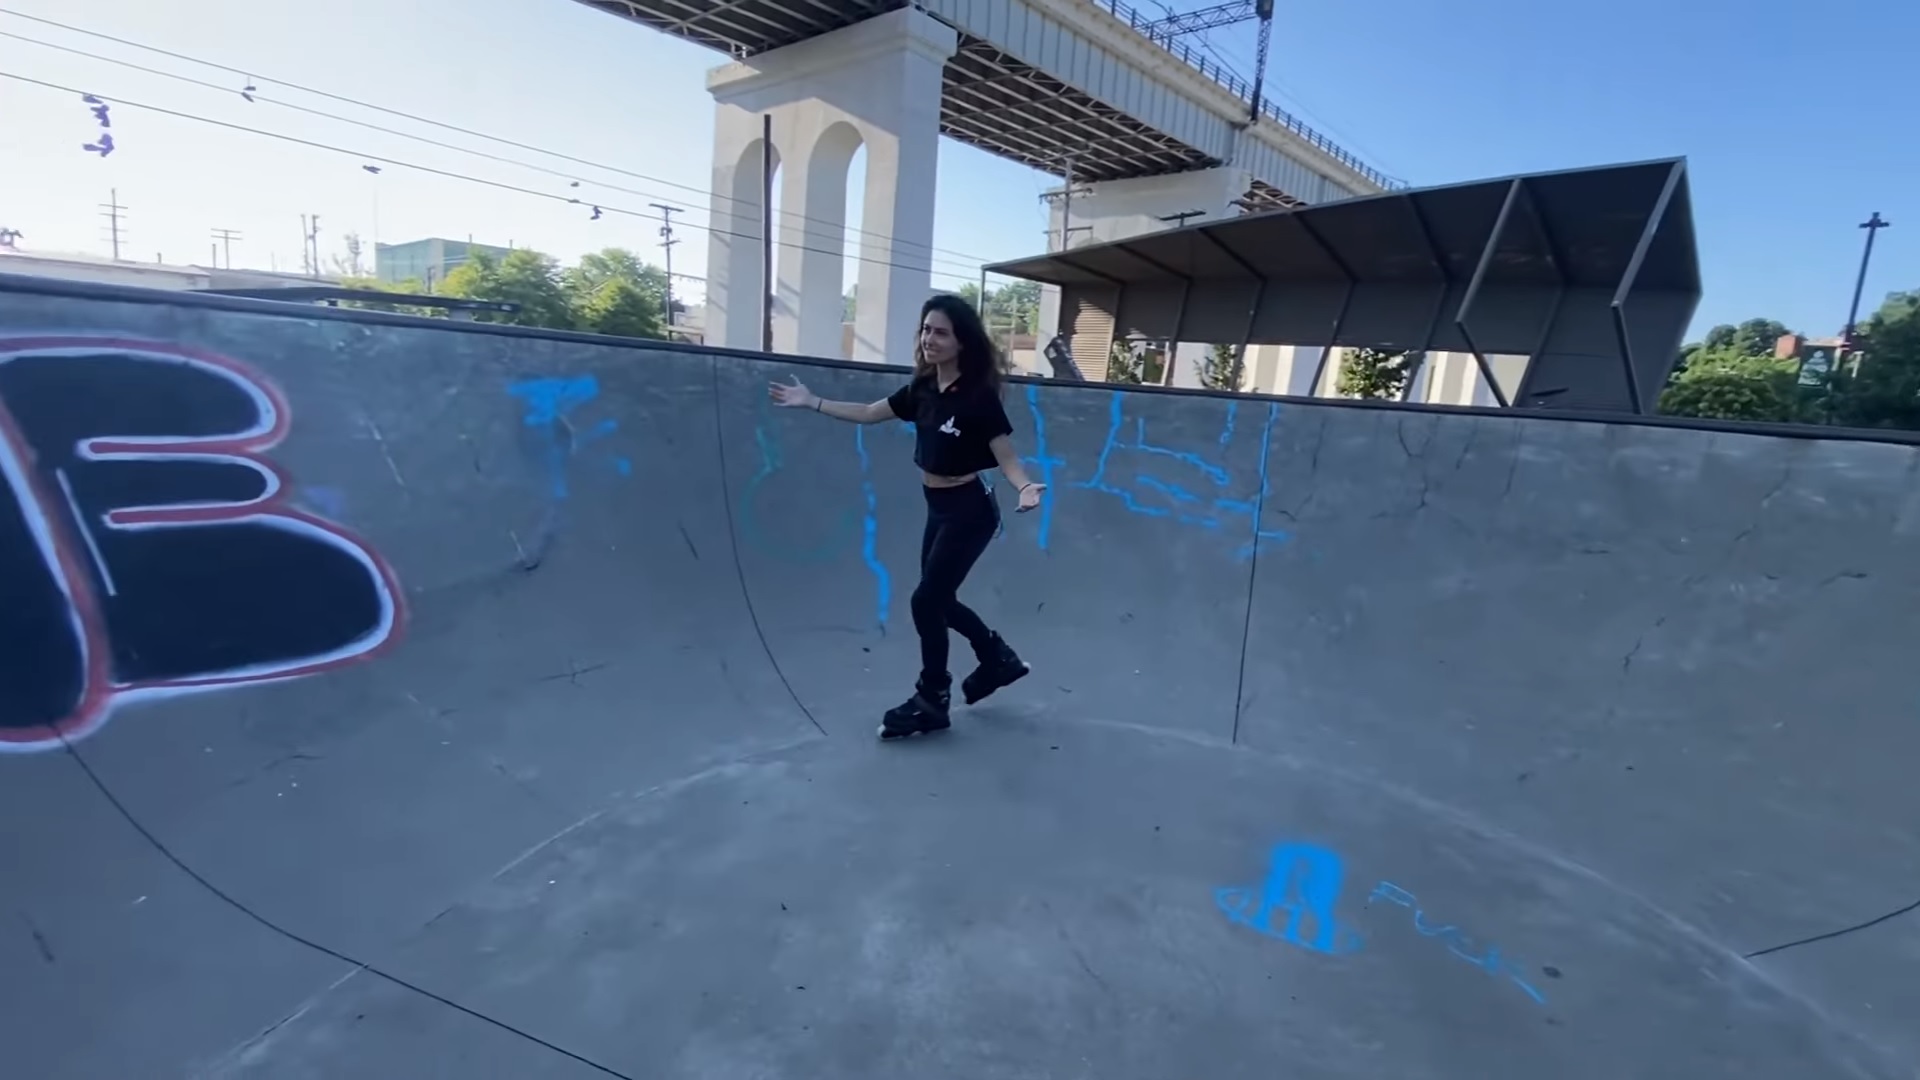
[[1591, 273]]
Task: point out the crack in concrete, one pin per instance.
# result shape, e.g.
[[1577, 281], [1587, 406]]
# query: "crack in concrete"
[[1831, 934]]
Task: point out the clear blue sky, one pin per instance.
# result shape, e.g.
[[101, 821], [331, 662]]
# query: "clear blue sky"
[[1789, 113]]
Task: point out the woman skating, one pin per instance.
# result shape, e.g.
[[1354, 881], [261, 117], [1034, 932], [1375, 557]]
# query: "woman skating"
[[960, 431]]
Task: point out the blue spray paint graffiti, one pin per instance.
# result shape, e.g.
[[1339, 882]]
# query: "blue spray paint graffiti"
[[834, 544], [1303, 882], [772, 460], [1187, 507], [1045, 463], [870, 533], [548, 406], [1457, 941]]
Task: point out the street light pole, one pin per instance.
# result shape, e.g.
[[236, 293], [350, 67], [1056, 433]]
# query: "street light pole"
[[1873, 224]]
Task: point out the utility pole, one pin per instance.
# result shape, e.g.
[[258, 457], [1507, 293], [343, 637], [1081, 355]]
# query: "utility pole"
[[111, 210], [1180, 219], [666, 246], [310, 244], [766, 232], [1066, 203], [1873, 224], [226, 237]]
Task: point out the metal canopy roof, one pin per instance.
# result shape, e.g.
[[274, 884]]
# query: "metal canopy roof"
[[1593, 273]]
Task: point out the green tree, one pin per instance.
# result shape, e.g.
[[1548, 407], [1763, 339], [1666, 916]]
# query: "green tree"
[[1758, 337], [522, 277], [1125, 365], [1724, 383], [373, 284], [618, 308], [1019, 303], [1373, 373], [1134, 362], [612, 292], [1880, 385], [1223, 368]]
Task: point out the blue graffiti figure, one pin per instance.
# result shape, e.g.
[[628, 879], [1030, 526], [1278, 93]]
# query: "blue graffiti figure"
[[1303, 884], [1457, 942], [547, 407]]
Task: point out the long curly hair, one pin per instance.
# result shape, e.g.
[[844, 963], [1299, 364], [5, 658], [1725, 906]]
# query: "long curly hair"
[[979, 360]]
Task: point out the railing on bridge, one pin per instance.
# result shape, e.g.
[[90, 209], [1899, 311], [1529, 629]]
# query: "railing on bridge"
[[1228, 79]]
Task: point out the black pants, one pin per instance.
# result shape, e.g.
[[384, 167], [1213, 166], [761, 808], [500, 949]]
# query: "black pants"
[[960, 523]]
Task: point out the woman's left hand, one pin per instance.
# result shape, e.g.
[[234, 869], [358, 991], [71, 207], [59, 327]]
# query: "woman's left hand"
[[1030, 497]]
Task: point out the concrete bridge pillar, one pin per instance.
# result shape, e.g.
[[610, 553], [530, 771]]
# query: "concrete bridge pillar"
[[875, 84]]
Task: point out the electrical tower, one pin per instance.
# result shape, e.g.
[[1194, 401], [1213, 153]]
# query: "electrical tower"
[[666, 245], [1163, 31], [111, 210]]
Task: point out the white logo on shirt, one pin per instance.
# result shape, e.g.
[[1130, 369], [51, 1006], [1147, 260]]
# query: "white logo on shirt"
[[949, 428]]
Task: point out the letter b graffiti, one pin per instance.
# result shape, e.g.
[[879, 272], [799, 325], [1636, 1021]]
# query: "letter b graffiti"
[[144, 545]]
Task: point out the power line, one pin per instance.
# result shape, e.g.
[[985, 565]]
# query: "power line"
[[258, 98], [502, 185], [253, 96]]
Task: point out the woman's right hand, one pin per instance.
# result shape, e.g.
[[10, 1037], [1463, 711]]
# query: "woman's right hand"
[[796, 396]]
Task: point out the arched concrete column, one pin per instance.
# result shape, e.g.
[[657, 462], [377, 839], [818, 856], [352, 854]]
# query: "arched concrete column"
[[876, 83], [735, 279], [813, 230]]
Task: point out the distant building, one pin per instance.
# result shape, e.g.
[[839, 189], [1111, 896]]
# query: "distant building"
[[427, 261], [1816, 355], [153, 275]]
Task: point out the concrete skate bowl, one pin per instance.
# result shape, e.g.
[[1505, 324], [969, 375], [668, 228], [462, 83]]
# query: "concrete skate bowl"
[[392, 699]]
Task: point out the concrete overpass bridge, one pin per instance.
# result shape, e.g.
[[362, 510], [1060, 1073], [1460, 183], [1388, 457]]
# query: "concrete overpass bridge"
[[1140, 126]]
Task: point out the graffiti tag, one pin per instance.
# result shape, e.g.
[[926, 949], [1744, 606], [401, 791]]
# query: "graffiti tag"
[[148, 547], [1487, 959], [1296, 901]]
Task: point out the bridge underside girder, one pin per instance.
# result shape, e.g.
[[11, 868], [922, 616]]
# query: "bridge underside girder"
[[991, 100], [742, 28], [1004, 107]]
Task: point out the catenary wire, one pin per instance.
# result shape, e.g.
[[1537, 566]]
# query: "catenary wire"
[[970, 267], [964, 257], [450, 174]]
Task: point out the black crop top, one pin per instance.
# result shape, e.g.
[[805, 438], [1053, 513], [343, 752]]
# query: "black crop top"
[[951, 428]]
